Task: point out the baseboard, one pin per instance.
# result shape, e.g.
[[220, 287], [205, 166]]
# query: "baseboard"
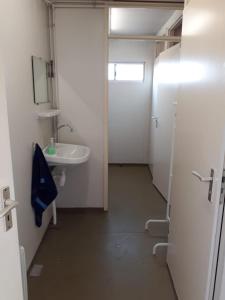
[[150, 171], [171, 280], [80, 210], [128, 164]]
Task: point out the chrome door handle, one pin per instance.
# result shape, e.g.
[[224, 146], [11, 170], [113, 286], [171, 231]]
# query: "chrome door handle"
[[209, 179], [9, 205], [6, 207], [201, 178]]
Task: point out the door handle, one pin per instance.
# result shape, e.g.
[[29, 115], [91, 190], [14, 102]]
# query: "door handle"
[[6, 207], [9, 205], [206, 179], [201, 178]]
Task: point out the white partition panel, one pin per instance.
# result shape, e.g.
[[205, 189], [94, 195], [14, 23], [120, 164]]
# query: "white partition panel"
[[163, 116], [80, 57]]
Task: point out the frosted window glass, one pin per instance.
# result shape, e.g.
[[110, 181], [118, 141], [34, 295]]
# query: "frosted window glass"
[[130, 72], [111, 71]]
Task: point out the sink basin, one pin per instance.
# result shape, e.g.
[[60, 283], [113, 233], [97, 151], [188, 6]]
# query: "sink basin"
[[67, 154]]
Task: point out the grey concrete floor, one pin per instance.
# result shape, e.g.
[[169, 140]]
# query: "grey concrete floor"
[[95, 255]]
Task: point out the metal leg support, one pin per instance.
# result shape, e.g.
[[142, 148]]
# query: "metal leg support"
[[159, 245], [155, 221], [54, 213]]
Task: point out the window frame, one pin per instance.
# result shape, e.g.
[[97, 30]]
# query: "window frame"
[[129, 63]]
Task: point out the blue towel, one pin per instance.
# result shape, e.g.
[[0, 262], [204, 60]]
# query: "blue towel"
[[43, 190]]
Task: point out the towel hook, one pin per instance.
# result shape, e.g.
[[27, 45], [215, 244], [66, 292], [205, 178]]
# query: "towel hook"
[[34, 146]]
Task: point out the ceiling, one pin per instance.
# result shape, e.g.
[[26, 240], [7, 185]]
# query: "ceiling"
[[143, 1], [138, 21], [162, 1]]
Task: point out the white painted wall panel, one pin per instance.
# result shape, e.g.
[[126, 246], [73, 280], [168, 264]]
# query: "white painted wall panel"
[[80, 56], [23, 33], [130, 105], [10, 275]]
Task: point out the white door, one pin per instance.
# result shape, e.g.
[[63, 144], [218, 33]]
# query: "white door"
[[10, 268], [219, 284], [163, 114], [199, 146], [153, 127]]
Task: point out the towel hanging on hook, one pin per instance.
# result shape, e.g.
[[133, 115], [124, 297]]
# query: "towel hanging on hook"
[[43, 189]]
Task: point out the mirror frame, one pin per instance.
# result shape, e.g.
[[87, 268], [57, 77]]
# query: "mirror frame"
[[39, 101]]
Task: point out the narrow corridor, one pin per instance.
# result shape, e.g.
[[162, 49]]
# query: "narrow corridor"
[[93, 255]]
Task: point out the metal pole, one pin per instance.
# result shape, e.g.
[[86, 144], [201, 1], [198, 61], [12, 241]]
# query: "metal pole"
[[156, 38], [164, 5]]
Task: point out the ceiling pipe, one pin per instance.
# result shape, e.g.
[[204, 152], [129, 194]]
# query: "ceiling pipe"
[[144, 4], [146, 38]]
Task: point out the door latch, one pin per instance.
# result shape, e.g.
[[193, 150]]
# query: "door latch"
[[222, 192], [211, 185]]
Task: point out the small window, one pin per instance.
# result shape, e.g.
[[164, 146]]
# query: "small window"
[[126, 71]]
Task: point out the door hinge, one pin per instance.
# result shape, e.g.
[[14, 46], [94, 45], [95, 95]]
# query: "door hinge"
[[50, 68], [222, 192]]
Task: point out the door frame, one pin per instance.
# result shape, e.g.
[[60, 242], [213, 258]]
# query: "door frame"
[[51, 7], [106, 116], [51, 16], [218, 265], [106, 143]]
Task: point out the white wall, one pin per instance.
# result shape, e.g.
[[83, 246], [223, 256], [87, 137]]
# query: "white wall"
[[137, 20], [23, 33], [129, 104], [10, 275], [80, 57]]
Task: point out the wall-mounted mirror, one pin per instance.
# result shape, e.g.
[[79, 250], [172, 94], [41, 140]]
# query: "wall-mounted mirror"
[[40, 80]]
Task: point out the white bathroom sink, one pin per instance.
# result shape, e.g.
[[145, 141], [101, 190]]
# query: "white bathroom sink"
[[67, 154]]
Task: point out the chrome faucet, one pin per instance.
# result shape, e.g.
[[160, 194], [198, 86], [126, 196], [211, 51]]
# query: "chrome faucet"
[[63, 126]]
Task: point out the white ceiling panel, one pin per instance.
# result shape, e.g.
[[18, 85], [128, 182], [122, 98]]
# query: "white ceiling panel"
[[138, 21], [161, 1]]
